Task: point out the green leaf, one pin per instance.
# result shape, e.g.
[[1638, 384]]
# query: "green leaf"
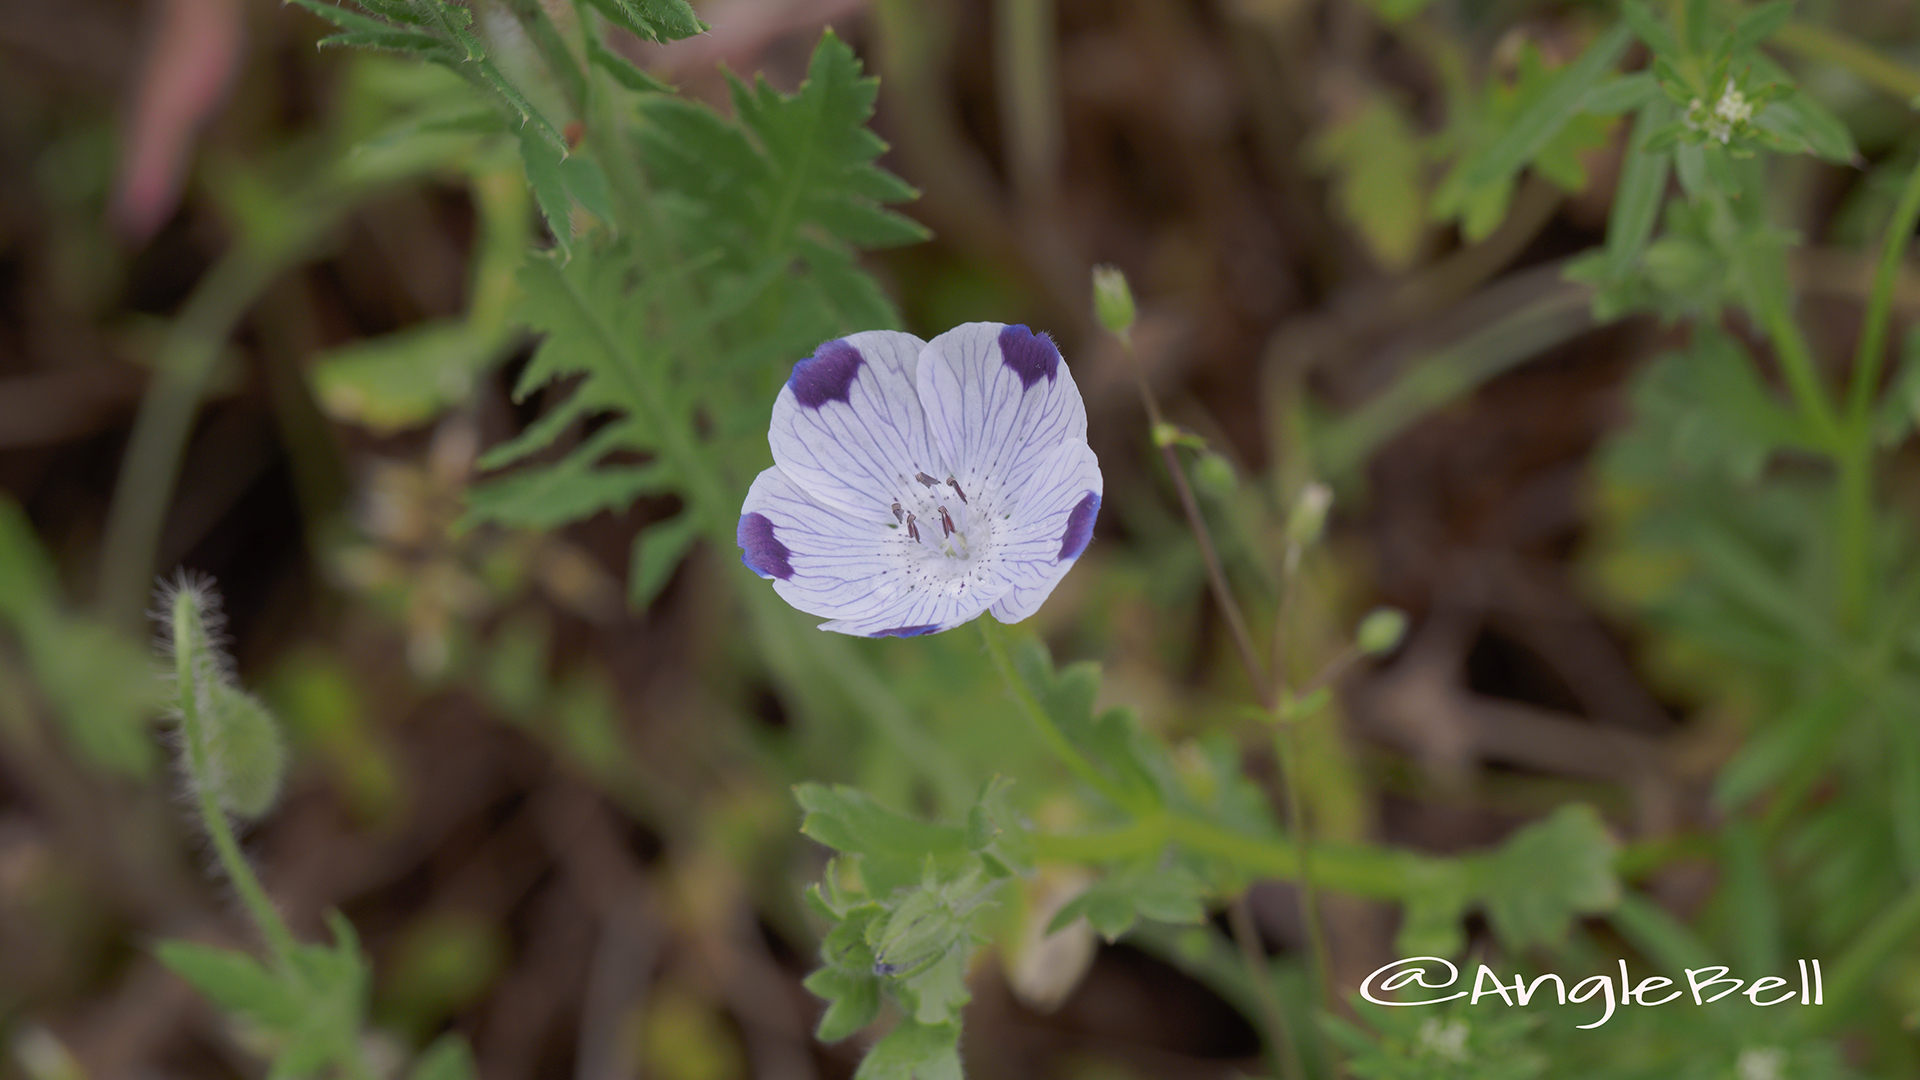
[[657, 550], [853, 1000], [808, 166], [405, 379], [1547, 112], [1169, 894], [1759, 23], [1539, 120], [894, 848], [914, 1051], [1641, 190], [1546, 875], [449, 1058], [655, 20], [544, 498], [624, 71], [1624, 93], [543, 161], [1377, 172], [1650, 29], [236, 982]]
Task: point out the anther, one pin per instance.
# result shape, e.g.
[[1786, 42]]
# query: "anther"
[[946, 523], [897, 515], [955, 485], [925, 479], [913, 530]]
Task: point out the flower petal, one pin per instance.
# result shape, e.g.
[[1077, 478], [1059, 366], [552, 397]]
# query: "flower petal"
[[1047, 528], [857, 572], [998, 400], [848, 428]]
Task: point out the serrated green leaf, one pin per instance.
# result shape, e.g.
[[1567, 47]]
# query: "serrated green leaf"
[[490, 76], [657, 551], [1546, 875], [234, 981], [546, 497], [543, 162], [893, 847], [1170, 894], [402, 41], [654, 20], [624, 71], [853, 1000], [914, 1051]]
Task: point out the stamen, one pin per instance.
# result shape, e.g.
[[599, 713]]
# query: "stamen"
[[955, 485], [897, 515], [913, 530], [946, 523], [925, 479]]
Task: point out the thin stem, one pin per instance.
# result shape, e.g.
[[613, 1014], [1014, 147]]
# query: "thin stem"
[[152, 460], [1279, 1033], [1873, 335], [1216, 576], [1049, 732], [1287, 750], [188, 645]]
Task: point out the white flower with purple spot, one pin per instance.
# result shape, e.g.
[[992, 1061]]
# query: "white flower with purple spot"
[[917, 484]]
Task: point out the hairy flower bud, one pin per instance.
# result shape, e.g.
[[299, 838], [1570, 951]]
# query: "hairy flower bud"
[[1112, 299]]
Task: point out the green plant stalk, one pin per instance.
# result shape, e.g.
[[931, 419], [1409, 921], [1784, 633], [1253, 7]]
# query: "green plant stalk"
[[187, 643], [1856, 456], [147, 472], [1043, 725]]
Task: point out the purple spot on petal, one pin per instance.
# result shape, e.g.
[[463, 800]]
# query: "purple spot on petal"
[[760, 550], [1079, 527], [1030, 355], [827, 375], [907, 631]]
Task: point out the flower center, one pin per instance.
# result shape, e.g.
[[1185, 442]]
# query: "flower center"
[[945, 531]]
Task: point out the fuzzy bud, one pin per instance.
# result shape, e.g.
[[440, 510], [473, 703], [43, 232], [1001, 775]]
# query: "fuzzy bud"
[[1380, 632], [233, 746], [1112, 299]]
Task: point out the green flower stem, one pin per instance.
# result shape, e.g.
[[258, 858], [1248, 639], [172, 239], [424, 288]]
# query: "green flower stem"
[[188, 644], [1873, 334], [1043, 724]]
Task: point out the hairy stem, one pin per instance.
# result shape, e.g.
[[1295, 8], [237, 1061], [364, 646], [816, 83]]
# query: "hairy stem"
[[189, 648]]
